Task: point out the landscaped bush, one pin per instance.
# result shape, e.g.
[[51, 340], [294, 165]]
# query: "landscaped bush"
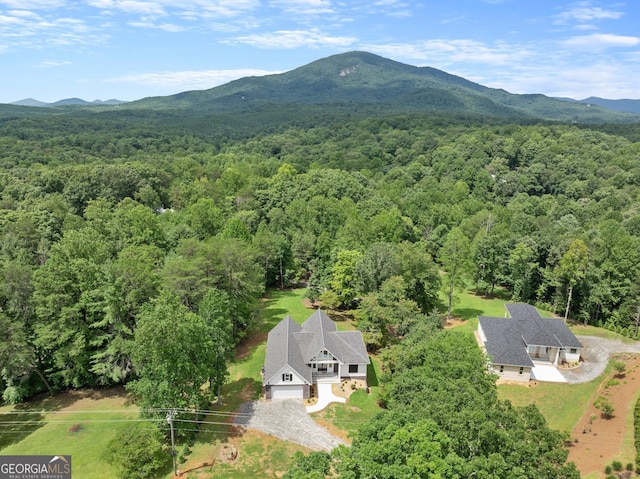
[[605, 407]]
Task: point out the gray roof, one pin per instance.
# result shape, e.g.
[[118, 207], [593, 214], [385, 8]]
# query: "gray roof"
[[282, 349], [504, 342], [288, 343], [508, 338]]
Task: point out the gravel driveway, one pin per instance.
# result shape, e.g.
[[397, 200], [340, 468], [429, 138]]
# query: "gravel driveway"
[[596, 354], [288, 420]]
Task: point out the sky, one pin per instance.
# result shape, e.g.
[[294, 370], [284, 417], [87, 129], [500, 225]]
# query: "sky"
[[131, 49]]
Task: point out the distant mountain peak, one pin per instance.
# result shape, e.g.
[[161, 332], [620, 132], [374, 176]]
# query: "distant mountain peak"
[[65, 102]]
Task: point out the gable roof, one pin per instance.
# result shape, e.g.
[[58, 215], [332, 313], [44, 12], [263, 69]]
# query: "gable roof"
[[504, 343], [282, 350], [508, 338], [289, 343], [320, 332]]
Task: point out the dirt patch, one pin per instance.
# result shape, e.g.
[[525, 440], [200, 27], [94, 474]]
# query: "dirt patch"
[[597, 441], [453, 322], [347, 387]]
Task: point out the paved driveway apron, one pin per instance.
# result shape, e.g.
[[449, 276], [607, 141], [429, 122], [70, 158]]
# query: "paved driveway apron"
[[288, 420], [596, 354]]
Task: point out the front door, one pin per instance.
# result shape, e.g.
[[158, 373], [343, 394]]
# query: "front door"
[[322, 368]]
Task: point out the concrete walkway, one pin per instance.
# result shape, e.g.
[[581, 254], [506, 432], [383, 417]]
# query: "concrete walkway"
[[547, 373], [325, 397]]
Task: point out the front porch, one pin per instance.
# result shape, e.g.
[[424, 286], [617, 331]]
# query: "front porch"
[[544, 354], [326, 377]]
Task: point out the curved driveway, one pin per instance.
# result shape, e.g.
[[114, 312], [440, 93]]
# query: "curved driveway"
[[596, 354]]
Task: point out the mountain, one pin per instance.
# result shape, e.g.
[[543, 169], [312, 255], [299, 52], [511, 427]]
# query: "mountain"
[[29, 102], [366, 83], [629, 106], [65, 102]]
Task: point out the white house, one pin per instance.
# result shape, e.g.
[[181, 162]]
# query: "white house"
[[516, 343], [298, 356]]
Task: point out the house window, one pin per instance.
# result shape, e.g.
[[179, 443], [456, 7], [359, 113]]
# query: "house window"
[[502, 368], [521, 370], [573, 350], [353, 368], [287, 377]]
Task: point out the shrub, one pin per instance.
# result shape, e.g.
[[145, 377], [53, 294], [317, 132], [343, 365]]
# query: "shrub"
[[629, 466], [620, 367], [605, 407], [608, 469], [139, 452], [617, 466]]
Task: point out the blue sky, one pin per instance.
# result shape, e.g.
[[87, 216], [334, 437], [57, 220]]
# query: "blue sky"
[[130, 49]]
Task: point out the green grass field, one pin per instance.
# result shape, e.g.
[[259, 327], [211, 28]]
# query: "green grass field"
[[77, 423]]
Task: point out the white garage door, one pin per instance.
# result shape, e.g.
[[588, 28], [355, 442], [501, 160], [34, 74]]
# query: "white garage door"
[[286, 392]]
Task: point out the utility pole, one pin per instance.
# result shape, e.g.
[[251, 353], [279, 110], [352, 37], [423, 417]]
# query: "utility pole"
[[170, 417]]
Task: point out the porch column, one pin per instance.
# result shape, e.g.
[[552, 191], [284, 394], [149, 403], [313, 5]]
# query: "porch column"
[[555, 362]]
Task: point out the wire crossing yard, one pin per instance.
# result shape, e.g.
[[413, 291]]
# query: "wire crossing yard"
[[79, 423]]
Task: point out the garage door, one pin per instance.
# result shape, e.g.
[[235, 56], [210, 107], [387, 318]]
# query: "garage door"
[[286, 392]]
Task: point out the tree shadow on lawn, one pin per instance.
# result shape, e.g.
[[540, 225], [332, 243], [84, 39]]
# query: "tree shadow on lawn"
[[29, 416], [18, 426], [466, 313], [372, 376]]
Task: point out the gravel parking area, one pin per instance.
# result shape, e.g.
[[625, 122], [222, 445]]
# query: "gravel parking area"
[[288, 420], [596, 354]]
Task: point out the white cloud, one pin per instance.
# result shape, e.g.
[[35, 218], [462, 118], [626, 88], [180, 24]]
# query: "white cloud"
[[584, 12], [33, 4], [447, 52], [601, 41], [294, 39], [53, 63], [194, 8], [167, 27], [23, 14], [188, 80], [304, 7]]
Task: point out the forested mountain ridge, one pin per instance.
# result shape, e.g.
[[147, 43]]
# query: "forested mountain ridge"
[[367, 81], [354, 83]]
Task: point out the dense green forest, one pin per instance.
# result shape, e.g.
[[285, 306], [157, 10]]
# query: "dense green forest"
[[134, 250], [98, 221]]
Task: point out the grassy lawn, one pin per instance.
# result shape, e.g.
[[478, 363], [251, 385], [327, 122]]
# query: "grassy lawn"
[[561, 404], [77, 423], [360, 406]]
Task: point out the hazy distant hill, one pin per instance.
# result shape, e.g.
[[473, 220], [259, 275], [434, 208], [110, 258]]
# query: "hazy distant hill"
[[363, 81], [65, 102], [630, 106]]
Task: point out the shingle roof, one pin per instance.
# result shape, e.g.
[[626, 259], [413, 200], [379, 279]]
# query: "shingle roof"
[[504, 341], [345, 346], [289, 343], [508, 338], [282, 350]]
